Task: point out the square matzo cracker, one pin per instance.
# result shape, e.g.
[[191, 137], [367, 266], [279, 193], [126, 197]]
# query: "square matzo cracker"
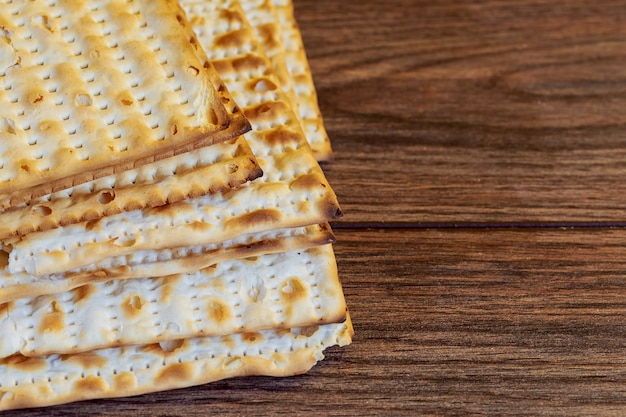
[[91, 88]]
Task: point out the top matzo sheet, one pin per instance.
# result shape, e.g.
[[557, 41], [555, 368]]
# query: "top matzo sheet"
[[89, 88]]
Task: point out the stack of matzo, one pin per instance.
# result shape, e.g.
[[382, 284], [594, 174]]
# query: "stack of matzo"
[[145, 249]]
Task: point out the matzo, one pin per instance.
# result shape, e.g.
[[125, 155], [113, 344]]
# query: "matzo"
[[278, 32], [91, 88], [304, 87], [288, 289], [119, 372], [262, 16], [189, 174], [206, 170], [293, 191], [166, 262]]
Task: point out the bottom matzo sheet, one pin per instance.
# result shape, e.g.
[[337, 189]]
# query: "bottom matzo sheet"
[[127, 371]]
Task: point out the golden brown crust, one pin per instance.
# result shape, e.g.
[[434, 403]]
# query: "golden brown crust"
[[278, 32], [189, 174], [94, 128], [209, 170], [20, 286], [288, 289], [143, 369]]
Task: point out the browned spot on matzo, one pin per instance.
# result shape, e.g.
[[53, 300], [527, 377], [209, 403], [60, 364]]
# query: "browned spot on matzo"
[[200, 226], [152, 348], [91, 384], [294, 290], [253, 338], [229, 40], [268, 36], [53, 321], [308, 182], [132, 305], [83, 293], [176, 372], [268, 111], [246, 63], [168, 288], [124, 381], [24, 363], [231, 17], [262, 216], [309, 331], [86, 360], [4, 258], [281, 136], [219, 312], [5, 308]]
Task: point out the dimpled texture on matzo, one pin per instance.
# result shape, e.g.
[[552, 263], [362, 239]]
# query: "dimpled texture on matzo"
[[189, 174], [278, 32], [133, 370], [89, 88], [292, 192], [206, 170], [263, 18], [302, 79], [288, 289], [166, 261]]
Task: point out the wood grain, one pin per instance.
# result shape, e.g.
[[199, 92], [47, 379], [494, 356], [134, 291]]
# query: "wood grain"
[[449, 322], [498, 322], [468, 111]]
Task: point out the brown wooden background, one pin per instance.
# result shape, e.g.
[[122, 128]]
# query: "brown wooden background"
[[481, 163]]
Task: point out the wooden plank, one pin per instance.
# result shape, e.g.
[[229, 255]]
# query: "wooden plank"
[[462, 111], [449, 322], [487, 322]]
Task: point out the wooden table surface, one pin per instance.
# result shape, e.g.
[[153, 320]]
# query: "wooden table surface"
[[480, 158]]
